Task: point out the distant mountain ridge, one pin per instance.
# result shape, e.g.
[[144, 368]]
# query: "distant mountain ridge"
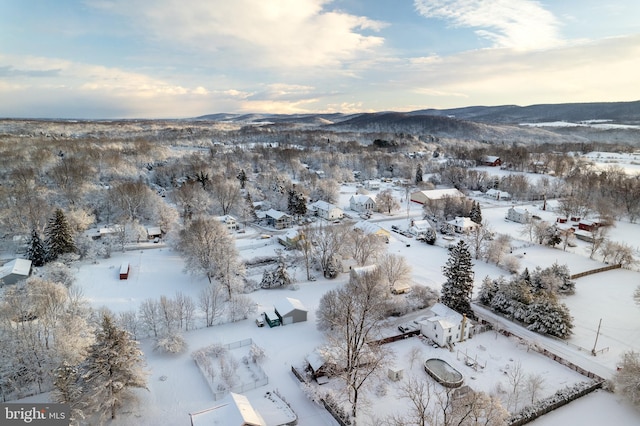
[[616, 112]]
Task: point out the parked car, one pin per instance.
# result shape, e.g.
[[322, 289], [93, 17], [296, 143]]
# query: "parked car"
[[260, 322], [405, 328]]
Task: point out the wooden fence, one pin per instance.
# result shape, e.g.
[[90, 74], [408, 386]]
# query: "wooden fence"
[[595, 271]]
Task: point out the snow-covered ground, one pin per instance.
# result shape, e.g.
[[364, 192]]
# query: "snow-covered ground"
[[177, 387]]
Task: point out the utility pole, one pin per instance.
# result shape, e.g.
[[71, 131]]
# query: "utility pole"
[[593, 351]]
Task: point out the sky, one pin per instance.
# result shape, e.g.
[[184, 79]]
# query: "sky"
[[109, 59]]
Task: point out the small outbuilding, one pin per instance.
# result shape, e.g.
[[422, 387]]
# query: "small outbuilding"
[[14, 271], [124, 270], [290, 311], [154, 232]]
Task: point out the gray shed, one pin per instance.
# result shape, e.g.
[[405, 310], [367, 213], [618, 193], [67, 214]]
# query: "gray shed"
[[290, 310], [14, 271]]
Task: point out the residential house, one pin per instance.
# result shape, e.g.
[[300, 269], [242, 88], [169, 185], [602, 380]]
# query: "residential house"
[[443, 325], [423, 197], [277, 219], [290, 238], [14, 271], [372, 229], [492, 161], [154, 232], [419, 228], [290, 311], [497, 194], [326, 210], [518, 215], [362, 203], [229, 222], [372, 185], [463, 225]]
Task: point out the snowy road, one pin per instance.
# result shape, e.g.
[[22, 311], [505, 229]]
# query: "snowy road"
[[581, 358]]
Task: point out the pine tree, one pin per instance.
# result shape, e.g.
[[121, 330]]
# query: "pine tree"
[[419, 174], [59, 236], [249, 208], [67, 389], [475, 214], [456, 291], [113, 366], [36, 252], [242, 177]]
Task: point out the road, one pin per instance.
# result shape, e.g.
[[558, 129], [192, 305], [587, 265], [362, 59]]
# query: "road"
[[581, 358]]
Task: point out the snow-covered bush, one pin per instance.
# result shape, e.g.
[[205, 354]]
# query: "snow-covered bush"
[[172, 343]]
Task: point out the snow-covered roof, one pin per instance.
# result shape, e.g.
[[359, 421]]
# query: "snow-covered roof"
[[323, 205], [421, 225], [438, 194], [361, 270], [361, 199], [491, 158], [288, 305], [444, 315], [370, 228], [315, 360], [154, 230], [237, 411], [275, 214], [227, 218], [16, 267], [462, 223]]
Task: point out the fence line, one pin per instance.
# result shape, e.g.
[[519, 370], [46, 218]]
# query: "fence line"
[[261, 380], [595, 271]]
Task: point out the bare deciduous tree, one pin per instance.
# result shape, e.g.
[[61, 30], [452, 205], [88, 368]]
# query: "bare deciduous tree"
[[353, 320], [211, 302], [394, 269], [365, 248]]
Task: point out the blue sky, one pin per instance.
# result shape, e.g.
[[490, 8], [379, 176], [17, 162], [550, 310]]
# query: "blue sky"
[[184, 58]]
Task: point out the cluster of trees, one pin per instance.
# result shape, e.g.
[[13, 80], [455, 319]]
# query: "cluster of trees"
[[51, 340], [533, 299]]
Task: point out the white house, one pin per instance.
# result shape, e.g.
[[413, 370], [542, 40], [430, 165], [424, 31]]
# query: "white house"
[[362, 203], [497, 194], [443, 325], [326, 210], [373, 185], [463, 225], [14, 271], [229, 221], [419, 228], [518, 215]]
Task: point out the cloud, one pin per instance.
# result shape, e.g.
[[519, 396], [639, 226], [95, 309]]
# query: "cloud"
[[605, 70], [515, 24], [255, 33]]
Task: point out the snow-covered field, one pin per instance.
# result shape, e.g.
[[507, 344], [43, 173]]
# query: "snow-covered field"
[[177, 387]]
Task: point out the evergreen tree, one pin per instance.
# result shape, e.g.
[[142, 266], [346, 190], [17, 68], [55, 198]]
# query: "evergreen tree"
[[546, 315], [67, 389], [242, 177], [456, 291], [113, 366], [249, 208], [296, 203], [419, 174], [59, 236], [36, 252], [475, 214]]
